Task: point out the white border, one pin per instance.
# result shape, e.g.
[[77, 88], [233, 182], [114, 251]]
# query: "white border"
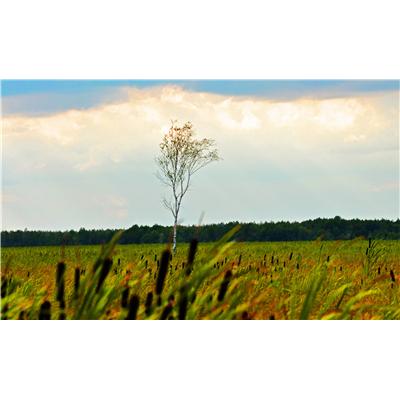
[[181, 39], [223, 39], [200, 360]]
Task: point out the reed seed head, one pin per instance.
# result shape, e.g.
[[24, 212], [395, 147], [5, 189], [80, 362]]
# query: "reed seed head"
[[105, 269], [192, 251], [77, 278], [162, 271], [224, 285], [60, 283], [183, 303], [45, 310], [148, 303], [133, 307], [125, 297], [166, 311]]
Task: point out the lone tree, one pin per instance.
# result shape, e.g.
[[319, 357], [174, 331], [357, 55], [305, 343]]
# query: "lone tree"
[[181, 156]]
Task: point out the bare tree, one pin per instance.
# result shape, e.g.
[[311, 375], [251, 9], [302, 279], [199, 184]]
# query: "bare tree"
[[181, 156]]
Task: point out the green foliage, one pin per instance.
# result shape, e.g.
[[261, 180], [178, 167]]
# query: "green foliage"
[[326, 228], [373, 254], [319, 275]]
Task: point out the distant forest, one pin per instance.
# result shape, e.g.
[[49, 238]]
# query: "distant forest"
[[324, 228]]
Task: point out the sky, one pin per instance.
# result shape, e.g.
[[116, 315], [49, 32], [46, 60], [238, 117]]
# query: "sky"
[[82, 153]]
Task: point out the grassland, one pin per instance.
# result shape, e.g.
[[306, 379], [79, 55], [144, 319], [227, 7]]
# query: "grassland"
[[356, 279]]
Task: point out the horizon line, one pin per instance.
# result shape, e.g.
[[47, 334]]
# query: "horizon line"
[[202, 225]]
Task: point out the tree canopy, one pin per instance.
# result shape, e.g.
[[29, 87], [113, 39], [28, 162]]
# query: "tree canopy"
[[324, 228]]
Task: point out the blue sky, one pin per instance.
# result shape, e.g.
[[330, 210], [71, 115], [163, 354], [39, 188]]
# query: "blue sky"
[[65, 94], [234, 87], [81, 153]]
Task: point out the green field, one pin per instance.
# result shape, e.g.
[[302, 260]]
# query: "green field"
[[283, 280]]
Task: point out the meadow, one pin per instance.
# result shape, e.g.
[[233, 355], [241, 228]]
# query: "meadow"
[[354, 279]]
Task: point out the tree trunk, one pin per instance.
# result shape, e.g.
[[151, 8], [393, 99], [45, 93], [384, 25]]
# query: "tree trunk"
[[174, 237]]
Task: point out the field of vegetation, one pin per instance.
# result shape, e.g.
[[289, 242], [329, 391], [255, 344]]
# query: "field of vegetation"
[[353, 279]]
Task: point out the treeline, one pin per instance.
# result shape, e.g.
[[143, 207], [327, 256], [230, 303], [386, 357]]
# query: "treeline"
[[324, 228]]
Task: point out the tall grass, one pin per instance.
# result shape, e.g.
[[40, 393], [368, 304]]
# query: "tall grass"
[[223, 280]]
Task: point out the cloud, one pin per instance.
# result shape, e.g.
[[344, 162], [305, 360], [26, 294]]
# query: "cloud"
[[45, 103], [112, 147], [47, 96]]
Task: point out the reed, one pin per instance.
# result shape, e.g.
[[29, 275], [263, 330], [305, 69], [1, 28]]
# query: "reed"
[[224, 285], [77, 279], [325, 287], [162, 271], [125, 297], [45, 310], [166, 311], [183, 304], [191, 255], [148, 303], [192, 251], [133, 307], [4, 285], [105, 270], [60, 283]]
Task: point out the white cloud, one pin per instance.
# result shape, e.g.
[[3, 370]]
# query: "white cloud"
[[120, 128], [254, 135]]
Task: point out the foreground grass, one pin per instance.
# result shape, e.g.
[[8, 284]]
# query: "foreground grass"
[[355, 279]]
